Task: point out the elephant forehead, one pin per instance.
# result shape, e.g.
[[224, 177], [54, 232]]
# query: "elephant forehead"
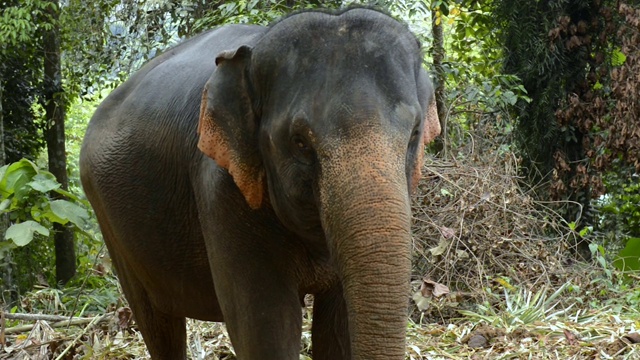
[[314, 38]]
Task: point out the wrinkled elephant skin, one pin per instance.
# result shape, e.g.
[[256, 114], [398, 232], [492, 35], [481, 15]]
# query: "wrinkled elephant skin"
[[250, 166]]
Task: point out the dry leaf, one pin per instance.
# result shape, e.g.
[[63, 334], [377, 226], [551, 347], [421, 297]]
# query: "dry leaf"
[[430, 288], [421, 302], [448, 233], [634, 338], [571, 337], [440, 249], [124, 318]]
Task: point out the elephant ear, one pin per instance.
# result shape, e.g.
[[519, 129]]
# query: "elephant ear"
[[431, 125], [228, 128]]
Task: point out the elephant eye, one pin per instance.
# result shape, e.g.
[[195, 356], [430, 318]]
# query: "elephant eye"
[[414, 135], [302, 150], [300, 143]]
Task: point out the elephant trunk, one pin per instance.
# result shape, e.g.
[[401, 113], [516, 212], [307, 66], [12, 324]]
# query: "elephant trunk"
[[366, 217]]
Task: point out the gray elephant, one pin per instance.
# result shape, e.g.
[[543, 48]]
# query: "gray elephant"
[[249, 166]]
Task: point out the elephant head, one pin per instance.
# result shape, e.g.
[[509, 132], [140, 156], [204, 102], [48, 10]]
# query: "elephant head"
[[325, 119]]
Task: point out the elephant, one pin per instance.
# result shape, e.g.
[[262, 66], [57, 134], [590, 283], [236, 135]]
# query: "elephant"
[[249, 166]]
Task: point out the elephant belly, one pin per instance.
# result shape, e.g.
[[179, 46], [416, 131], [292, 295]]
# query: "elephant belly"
[[189, 293]]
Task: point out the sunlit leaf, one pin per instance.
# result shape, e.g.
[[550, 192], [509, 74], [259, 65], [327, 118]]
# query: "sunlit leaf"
[[63, 211], [16, 176], [44, 182], [618, 57], [22, 233]]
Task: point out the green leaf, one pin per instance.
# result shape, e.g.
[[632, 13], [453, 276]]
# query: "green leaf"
[[63, 211], [617, 57], [3, 170], [510, 98], [585, 231], [16, 176], [44, 182], [72, 196], [22, 233], [4, 205], [444, 8], [628, 259]]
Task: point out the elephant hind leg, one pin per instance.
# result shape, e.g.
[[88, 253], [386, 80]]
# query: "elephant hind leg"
[[164, 334], [330, 333]]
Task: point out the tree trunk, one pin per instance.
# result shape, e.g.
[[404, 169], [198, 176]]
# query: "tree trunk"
[[6, 270], [437, 52], [55, 109], [3, 157]]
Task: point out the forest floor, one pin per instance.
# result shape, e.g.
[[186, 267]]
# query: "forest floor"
[[607, 333], [496, 275]]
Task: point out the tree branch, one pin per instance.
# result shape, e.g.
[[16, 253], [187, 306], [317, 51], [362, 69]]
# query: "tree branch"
[[58, 321]]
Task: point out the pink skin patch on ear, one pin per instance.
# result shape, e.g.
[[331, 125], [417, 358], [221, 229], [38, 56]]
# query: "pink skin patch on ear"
[[213, 144], [210, 142], [431, 124], [430, 132]]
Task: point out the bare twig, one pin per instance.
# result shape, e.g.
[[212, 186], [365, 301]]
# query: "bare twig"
[[2, 325], [493, 228], [35, 317], [93, 321], [60, 323]]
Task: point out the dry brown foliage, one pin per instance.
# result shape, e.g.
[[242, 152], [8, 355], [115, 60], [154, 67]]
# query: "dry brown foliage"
[[605, 106], [476, 227]]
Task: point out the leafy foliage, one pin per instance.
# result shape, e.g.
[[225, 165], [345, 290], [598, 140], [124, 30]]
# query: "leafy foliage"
[[628, 259], [477, 91], [20, 74], [549, 70], [20, 21], [521, 308], [575, 59], [22, 233], [26, 196], [619, 210]]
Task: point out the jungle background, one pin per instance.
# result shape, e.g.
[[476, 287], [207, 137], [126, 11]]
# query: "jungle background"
[[526, 224]]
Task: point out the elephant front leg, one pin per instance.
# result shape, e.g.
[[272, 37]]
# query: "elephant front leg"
[[330, 332], [261, 309]]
